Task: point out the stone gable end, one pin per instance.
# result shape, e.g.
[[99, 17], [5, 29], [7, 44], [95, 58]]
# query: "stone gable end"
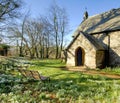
[[89, 54]]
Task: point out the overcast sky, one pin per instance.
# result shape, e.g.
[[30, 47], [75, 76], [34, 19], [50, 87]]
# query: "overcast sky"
[[74, 8]]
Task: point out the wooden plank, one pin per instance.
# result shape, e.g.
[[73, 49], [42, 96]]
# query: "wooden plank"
[[36, 75], [28, 73], [22, 72], [33, 74]]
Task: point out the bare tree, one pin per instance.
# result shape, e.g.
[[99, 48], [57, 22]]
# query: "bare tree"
[[37, 37], [59, 22], [22, 33], [63, 27], [47, 30], [16, 33], [44, 36], [32, 36], [9, 9], [54, 10], [40, 36]]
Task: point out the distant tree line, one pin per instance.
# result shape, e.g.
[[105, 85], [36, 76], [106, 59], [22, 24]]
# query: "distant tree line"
[[40, 37]]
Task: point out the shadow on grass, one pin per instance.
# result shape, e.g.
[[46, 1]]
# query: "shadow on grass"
[[81, 83], [68, 82], [49, 64]]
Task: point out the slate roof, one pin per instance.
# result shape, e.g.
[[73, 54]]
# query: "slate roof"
[[92, 40], [106, 21]]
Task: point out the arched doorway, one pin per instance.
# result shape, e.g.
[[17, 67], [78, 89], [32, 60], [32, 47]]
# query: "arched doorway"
[[79, 57]]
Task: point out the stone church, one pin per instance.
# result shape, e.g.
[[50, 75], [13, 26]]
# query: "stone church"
[[96, 42]]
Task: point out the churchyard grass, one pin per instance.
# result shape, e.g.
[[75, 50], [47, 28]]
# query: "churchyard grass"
[[65, 86], [114, 70]]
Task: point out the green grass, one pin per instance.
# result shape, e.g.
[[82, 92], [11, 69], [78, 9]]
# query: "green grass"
[[82, 86], [65, 86], [115, 70]]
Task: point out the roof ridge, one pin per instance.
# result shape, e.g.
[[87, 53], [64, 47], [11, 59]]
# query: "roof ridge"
[[109, 20]]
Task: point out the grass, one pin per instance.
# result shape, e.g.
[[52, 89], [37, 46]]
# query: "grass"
[[115, 70], [85, 86], [65, 86]]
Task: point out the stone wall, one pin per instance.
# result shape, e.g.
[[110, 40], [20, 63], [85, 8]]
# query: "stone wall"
[[90, 52], [115, 48], [100, 57], [111, 42]]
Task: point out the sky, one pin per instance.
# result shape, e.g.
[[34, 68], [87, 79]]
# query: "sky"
[[74, 8]]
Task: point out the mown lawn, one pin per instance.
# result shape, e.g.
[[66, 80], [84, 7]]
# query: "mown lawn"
[[65, 87]]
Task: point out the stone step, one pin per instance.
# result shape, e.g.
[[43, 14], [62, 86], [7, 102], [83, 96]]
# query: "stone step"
[[77, 68]]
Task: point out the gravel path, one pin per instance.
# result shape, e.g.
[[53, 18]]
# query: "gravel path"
[[94, 72]]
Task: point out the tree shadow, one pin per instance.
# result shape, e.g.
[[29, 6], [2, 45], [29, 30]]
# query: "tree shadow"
[[81, 82], [104, 18]]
